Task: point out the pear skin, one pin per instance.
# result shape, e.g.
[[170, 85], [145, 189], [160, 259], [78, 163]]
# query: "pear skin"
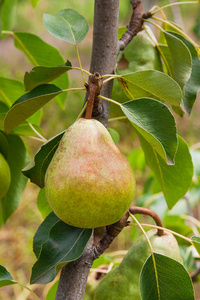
[[122, 283], [89, 183]]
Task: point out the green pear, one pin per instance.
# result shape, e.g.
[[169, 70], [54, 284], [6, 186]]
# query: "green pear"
[[5, 176], [122, 282], [89, 183]]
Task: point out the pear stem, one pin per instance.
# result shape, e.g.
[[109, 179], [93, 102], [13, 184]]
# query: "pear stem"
[[93, 87], [134, 210]]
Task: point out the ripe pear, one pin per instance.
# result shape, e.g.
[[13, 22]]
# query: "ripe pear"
[[89, 183], [5, 176], [122, 282]]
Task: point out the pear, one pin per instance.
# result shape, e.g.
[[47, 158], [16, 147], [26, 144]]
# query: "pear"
[[5, 176], [89, 183], [122, 282]]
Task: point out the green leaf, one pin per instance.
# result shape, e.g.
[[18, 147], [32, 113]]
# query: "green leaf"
[[43, 204], [114, 134], [192, 86], [34, 2], [4, 146], [5, 277], [151, 83], [17, 159], [153, 120], [170, 280], [37, 168], [41, 53], [196, 162], [25, 129], [7, 14], [67, 25], [174, 180], [40, 75], [196, 242], [65, 243], [10, 90], [28, 104], [43, 232], [52, 291], [181, 59]]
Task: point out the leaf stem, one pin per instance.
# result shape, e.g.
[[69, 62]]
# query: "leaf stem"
[[151, 249], [37, 133], [110, 100], [82, 110], [173, 4], [79, 61], [85, 71], [159, 49], [27, 288], [177, 29], [74, 89], [165, 229], [117, 119]]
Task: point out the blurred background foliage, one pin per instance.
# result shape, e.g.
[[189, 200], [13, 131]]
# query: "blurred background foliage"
[[17, 234]]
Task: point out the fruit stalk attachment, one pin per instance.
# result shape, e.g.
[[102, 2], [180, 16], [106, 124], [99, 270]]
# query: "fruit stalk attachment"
[[93, 87], [134, 210]]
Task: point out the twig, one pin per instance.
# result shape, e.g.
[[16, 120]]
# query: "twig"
[[148, 212]]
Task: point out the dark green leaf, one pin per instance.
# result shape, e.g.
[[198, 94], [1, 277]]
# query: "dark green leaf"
[[40, 75], [37, 168], [28, 104], [43, 204], [192, 86], [5, 277], [41, 53], [151, 83], [181, 59], [4, 146], [155, 123], [170, 280], [174, 180], [17, 159], [196, 242], [43, 232], [65, 243], [67, 25]]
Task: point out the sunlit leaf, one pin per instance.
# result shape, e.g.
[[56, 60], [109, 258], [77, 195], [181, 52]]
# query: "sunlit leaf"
[[181, 59], [7, 14], [41, 53], [42, 204], [174, 180], [10, 90], [64, 244], [153, 120], [193, 84], [28, 104], [37, 168], [34, 2], [151, 83], [196, 242], [52, 291], [167, 279], [67, 25], [5, 277], [40, 75]]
